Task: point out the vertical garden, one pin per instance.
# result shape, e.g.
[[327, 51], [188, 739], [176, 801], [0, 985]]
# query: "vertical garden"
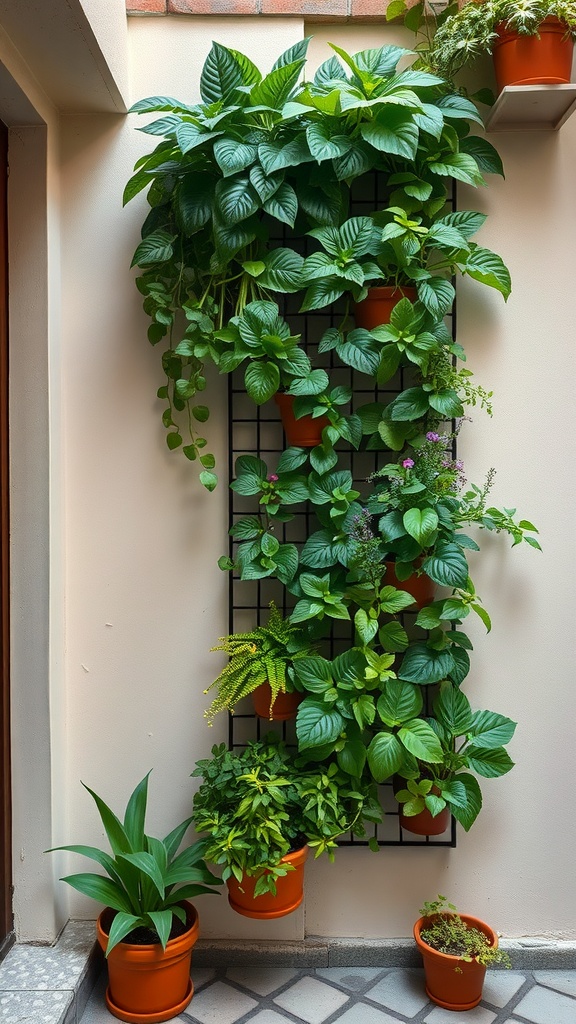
[[304, 237]]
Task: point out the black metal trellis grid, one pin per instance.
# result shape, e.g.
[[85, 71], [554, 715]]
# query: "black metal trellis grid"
[[257, 430]]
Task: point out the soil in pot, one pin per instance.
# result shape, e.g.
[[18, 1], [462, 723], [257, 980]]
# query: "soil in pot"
[[421, 587], [376, 308], [451, 982], [284, 707], [545, 59], [147, 984], [305, 432], [289, 891]]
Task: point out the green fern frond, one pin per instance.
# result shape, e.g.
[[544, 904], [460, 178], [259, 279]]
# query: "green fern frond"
[[262, 655]]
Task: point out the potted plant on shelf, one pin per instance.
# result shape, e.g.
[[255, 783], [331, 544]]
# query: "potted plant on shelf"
[[148, 928], [261, 663], [262, 813], [456, 950], [531, 43]]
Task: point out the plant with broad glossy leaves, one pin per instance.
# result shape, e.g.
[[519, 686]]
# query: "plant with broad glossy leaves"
[[469, 741]]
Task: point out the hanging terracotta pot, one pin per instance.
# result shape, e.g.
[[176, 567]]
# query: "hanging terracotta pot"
[[426, 824], [305, 432], [421, 588], [284, 707], [450, 981], [289, 891], [545, 59], [376, 308], [147, 984]]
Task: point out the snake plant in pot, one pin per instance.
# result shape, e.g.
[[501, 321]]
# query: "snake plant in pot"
[[149, 927]]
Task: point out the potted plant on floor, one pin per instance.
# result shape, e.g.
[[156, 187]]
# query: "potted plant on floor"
[[148, 928], [456, 950], [261, 663], [262, 813]]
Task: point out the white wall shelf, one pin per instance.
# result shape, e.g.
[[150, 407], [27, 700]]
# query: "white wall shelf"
[[532, 108]]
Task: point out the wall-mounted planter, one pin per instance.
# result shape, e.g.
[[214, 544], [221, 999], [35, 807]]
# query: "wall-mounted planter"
[[421, 588], [545, 59], [376, 308], [284, 707], [305, 432], [289, 891]]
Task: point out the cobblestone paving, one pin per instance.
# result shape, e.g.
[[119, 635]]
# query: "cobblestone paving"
[[359, 995]]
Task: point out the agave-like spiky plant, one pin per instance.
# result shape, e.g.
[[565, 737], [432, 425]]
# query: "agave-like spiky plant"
[[264, 655], [147, 877]]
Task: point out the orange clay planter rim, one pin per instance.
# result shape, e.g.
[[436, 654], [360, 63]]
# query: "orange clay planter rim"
[[442, 978], [146, 978], [545, 59], [420, 587], [290, 892], [284, 707], [304, 432], [424, 823], [377, 307]]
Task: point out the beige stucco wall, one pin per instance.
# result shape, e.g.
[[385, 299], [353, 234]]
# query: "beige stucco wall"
[[144, 599]]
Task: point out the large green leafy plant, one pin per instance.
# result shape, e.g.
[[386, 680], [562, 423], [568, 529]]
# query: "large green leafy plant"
[[147, 877], [258, 150], [256, 806]]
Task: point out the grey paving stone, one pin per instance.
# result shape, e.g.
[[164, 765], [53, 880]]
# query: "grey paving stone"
[[544, 1006], [30, 968], [311, 1000], [262, 980], [499, 988], [540, 954], [562, 981], [353, 978], [361, 1013], [230, 953], [35, 1007], [270, 1017], [478, 1015], [372, 953], [400, 990], [201, 976], [219, 1004]]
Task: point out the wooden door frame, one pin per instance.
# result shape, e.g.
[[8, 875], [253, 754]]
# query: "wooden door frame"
[[6, 919]]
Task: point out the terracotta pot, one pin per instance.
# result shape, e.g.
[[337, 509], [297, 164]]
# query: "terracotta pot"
[[421, 588], [147, 984], [533, 60], [305, 432], [376, 308], [425, 824], [284, 707], [451, 982], [289, 891]]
